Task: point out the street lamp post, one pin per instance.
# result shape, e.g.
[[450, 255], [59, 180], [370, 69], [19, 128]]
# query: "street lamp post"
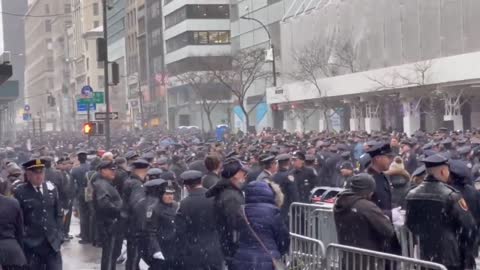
[[274, 71]]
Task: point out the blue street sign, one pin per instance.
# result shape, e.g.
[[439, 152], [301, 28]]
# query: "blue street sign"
[[87, 91], [82, 107], [27, 116], [26, 108]]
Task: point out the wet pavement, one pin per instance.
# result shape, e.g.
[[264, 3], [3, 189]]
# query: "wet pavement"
[[80, 257], [83, 257]]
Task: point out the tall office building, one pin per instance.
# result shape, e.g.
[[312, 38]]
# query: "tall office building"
[[195, 32], [85, 70], [12, 40], [39, 63], [116, 53], [155, 109]]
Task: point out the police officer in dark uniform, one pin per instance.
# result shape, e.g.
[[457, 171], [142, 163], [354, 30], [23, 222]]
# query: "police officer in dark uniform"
[[439, 216], [155, 225], [108, 205], [305, 178], [64, 166], [42, 218], [286, 181], [11, 235], [79, 175], [199, 243], [381, 158], [133, 192], [270, 167], [121, 173]]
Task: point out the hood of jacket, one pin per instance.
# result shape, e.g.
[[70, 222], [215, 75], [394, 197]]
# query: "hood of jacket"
[[345, 201], [259, 192]]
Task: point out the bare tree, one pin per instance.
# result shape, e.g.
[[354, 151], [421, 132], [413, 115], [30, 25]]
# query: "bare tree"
[[201, 83], [312, 64], [303, 114], [347, 56], [246, 68], [418, 75]]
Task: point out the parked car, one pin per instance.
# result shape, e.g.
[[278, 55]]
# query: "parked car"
[[325, 195]]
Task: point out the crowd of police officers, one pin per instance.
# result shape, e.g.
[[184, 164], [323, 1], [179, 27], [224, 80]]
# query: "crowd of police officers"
[[161, 195]]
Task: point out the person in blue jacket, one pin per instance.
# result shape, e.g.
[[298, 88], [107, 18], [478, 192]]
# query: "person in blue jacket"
[[262, 202]]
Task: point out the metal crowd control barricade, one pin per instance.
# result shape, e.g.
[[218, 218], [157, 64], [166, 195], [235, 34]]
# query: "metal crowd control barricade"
[[313, 221], [305, 253], [410, 244], [339, 257]]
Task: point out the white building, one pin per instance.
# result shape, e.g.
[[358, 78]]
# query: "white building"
[[404, 65]]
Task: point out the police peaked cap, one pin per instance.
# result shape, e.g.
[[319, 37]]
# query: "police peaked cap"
[[191, 176], [34, 164]]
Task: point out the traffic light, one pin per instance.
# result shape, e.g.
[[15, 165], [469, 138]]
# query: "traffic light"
[[89, 128]]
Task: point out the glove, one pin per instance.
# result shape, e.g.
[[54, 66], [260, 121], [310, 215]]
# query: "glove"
[[159, 256], [398, 218]]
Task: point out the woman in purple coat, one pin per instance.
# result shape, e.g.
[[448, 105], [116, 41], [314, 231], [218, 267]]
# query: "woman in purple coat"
[[262, 202]]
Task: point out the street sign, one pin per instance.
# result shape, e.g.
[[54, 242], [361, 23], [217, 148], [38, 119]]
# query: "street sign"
[[97, 98], [87, 91], [103, 115], [27, 116], [84, 107], [26, 108]]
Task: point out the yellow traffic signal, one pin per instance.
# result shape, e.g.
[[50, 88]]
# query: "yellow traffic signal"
[[89, 129]]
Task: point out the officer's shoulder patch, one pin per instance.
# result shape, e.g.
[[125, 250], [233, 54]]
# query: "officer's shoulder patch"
[[149, 213], [463, 204], [50, 185], [290, 177]]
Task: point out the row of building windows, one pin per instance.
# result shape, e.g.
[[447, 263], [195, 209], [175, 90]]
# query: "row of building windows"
[[197, 12], [155, 10], [198, 38]]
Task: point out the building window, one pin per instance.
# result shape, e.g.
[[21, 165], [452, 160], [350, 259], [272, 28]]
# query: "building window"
[[155, 9], [141, 25], [47, 9], [88, 63], [222, 37], [48, 26], [156, 37], [176, 17], [95, 9], [68, 8], [96, 24], [197, 12], [208, 12], [198, 38]]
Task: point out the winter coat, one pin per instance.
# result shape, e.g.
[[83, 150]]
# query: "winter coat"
[[227, 204], [361, 223], [199, 242], [11, 232], [265, 219], [210, 179], [400, 183]]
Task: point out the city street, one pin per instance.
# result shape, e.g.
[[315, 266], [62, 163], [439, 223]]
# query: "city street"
[[82, 257]]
